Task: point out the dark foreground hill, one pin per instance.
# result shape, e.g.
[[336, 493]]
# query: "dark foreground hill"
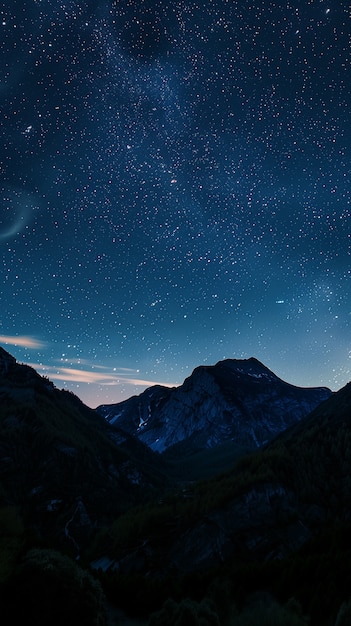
[[280, 520], [268, 505], [61, 465]]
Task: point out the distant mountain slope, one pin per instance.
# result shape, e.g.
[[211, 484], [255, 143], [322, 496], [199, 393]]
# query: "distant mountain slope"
[[61, 464], [240, 401], [269, 505]]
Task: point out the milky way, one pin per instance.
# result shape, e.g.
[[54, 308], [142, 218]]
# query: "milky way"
[[176, 188]]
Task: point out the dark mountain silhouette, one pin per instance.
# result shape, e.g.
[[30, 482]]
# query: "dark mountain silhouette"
[[61, 464]]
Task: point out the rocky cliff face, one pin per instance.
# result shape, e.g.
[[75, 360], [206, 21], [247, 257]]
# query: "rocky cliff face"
[[235, 400]]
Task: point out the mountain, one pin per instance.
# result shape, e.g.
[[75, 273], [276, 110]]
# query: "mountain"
[[68, 469], [62, 466], [288, 503], [237, 401], [277, 522]]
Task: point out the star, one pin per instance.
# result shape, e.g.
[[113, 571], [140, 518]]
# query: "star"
[[174, 180]]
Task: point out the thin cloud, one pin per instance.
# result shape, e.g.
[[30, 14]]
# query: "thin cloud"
[[108, 378], [93, 365], [142, 383], [23, 341]]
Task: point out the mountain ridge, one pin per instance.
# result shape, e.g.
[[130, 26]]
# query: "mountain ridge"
[[234, 400], [278, 519]]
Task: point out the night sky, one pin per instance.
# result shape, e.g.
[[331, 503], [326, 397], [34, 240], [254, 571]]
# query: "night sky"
[[175, 189]]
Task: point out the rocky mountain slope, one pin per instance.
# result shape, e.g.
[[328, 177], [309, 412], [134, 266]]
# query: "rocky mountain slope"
[[240, 401]]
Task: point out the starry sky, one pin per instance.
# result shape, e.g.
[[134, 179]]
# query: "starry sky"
[[175, 189]]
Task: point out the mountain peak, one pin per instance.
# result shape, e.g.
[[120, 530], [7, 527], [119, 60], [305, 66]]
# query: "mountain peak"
[[239, 367], [250, 366]]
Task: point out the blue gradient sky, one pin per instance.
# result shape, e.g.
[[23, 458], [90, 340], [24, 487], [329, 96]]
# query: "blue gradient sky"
[[176, 188]]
